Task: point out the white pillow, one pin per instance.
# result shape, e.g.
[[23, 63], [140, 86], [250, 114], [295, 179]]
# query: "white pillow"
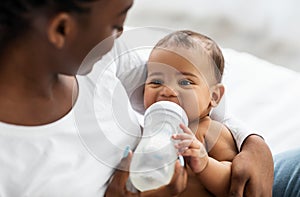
[[264, 96]]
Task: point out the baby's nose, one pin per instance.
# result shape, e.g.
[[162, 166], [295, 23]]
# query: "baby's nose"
[[169, 91]]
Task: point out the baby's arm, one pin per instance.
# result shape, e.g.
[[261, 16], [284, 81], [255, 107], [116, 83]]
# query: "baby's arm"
[[219, 142], [213, 174]]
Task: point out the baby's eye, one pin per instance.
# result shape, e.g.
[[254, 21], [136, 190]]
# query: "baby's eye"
[[156, 82], [184, 82]]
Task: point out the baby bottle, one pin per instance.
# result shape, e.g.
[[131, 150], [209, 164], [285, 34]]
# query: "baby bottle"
[[154, 159]]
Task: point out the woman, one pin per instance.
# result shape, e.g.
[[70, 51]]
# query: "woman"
[[42, 46]]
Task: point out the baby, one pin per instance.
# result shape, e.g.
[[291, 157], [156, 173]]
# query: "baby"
[[186, 68]]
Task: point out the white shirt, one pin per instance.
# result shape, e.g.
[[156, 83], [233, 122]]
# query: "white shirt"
[[76, 155]]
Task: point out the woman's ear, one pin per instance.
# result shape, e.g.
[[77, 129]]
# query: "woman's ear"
[[217, 92], [60, 28]]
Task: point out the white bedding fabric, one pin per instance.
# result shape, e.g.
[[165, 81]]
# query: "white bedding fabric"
[[265, 97]]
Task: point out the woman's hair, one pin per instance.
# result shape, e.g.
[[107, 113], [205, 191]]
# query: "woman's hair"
[[188, 39], [15, 15]]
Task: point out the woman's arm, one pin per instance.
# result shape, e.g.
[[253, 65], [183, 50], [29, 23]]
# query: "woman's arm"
[[252, 169], [254, 164]]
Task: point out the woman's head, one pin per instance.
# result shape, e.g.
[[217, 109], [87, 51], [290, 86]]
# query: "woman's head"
[[16, 16], [62, 29]]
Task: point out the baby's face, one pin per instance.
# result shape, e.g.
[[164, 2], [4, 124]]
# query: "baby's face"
[[171, 77]]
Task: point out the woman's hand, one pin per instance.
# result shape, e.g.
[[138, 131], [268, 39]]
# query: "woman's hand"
[[178, 182], [117, 187], [252, 169], [192, 149]]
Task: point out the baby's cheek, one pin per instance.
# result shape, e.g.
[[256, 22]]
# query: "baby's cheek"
[[149, 98], [192, 110]]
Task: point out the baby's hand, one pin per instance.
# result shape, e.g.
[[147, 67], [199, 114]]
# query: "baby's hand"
[[192, 149]]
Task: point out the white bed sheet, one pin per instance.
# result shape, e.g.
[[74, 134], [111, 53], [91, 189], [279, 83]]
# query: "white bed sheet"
[[265, 97]]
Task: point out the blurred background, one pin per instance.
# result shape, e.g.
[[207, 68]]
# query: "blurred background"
[[268, 29]]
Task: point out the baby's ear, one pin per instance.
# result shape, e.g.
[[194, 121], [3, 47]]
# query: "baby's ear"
[[217, 92]]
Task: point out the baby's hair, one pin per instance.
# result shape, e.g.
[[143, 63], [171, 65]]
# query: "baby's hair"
[[189, 39], [15, 15]]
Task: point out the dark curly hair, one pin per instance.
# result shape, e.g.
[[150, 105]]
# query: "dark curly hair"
[[189, 39], [15, 15]]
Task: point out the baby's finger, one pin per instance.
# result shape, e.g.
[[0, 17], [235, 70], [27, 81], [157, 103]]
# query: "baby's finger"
[[194, 153], [182, 136], [186, 129], [190, 153], [182, 150], [186, 143]]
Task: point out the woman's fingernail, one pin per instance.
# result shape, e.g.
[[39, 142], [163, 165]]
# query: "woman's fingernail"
[[181, 160], [126, 151]]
